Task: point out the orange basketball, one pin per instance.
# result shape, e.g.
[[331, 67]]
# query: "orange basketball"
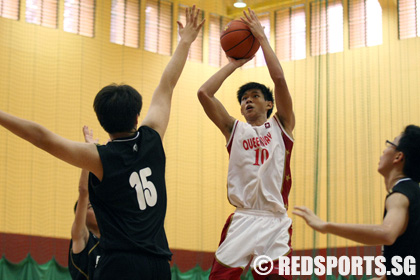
[[237, 40]]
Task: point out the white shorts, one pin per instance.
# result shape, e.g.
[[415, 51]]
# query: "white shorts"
[[252, 233]]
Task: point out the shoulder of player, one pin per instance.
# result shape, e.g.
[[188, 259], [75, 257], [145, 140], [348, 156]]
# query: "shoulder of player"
[[277, 121], [396, 199], [147, 130], [80, 242], [408, 188], [229, 127], [287, 123]]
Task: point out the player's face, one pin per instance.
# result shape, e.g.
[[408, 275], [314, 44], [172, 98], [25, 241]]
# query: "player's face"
[[388, 156], [253, 104]]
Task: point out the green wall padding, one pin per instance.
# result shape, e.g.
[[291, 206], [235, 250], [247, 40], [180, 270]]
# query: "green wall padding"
[[28, 269]]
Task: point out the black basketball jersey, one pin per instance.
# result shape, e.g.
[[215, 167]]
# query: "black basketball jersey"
[[407, 244], [82, 265], [130, 201]]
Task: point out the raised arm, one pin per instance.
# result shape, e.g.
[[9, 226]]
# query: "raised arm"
[[283, 98], [82, 155], [212, 106], [158, 114], [79, 230], [393, 225]]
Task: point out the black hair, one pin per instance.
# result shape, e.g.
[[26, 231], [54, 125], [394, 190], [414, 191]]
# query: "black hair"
[[409, 145], [268, 93], [117, 107], [75, 206]]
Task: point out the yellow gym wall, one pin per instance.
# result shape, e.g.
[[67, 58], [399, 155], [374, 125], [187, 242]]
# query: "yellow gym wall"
[[346, 105]]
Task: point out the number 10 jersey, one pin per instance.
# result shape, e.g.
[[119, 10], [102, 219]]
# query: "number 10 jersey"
[[259, 166]]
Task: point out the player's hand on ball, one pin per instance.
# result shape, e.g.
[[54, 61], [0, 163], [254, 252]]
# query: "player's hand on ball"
[[239, 62], [254, 24]]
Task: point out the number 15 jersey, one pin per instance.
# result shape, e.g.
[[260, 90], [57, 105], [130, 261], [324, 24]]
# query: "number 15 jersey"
[[130, 201], [259, 166]]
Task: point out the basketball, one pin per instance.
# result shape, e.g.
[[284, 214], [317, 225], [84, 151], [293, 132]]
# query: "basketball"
[[237, 40]]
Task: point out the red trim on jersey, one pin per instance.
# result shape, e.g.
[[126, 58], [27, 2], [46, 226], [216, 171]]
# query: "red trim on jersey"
[[226, 228], [282, 129], [290, 238], [287, 176], [219, 270], [229, 146]]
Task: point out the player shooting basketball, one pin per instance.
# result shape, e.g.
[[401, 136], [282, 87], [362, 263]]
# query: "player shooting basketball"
[[259, 178]]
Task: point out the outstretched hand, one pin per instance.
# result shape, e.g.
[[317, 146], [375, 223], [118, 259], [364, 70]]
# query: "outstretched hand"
[[310, 218], [191, 29], [83, 181], [88, 134], [254, 24]]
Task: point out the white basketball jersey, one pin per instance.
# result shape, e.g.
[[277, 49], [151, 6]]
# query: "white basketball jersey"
[[259, 166]]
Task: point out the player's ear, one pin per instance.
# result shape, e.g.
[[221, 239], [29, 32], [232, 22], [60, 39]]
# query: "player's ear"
[[399, 157], [270, 105]]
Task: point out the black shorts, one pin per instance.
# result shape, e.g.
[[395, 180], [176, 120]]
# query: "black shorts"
[[132, 266]]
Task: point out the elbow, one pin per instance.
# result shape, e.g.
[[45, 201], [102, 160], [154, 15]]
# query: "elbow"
[[83, 190], [202, 94], [166, 85], [388, 239], [37, 137], [279, 79]]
